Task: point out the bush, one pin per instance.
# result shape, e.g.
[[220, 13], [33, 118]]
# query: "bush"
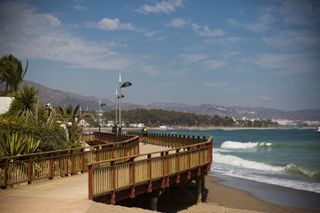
[[51, 137]]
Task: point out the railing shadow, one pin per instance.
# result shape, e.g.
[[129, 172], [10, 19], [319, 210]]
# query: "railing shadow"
[[171, 200]]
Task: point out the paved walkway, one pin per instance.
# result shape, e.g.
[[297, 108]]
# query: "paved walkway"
[[68, 194]]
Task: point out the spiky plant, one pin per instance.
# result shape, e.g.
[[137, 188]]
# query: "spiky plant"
[[16, 144], [25, 103]]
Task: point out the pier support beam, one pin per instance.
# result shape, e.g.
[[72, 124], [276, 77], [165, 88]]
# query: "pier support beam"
[[154, 203], [154, 200], [200, 187]]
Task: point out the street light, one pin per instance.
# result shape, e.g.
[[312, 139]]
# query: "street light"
[[100, 113], [119, 97]]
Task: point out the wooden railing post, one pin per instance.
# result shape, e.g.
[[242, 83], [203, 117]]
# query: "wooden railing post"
[[113, 183], [178, 165], [149, 189], [90, 182], [132, 182], [6, 171], [72, 163], [82, 155], [51, 173], [189, 163], [30, 170]]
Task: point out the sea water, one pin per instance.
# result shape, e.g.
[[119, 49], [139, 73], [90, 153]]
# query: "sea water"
[[284, 157]]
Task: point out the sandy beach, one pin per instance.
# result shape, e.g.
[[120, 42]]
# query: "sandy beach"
[[221, 199]]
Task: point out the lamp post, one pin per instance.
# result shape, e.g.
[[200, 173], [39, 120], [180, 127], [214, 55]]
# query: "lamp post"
[[119, 97], [100, 114]]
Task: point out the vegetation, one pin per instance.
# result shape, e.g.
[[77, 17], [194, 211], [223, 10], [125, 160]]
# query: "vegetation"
[[28, 127], [15, 144], [25, 103], [155, 117], [11, 73]]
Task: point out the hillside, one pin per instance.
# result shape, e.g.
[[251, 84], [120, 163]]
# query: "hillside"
[[58, 97]]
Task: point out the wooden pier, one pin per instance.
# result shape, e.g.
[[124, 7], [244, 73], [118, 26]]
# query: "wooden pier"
[[116, 169]]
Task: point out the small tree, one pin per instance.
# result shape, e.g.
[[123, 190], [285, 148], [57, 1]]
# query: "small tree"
[[11, 72]]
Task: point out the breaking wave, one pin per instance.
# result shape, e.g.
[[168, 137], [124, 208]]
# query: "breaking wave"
[[240, 162], [290, 168], [244, 145]]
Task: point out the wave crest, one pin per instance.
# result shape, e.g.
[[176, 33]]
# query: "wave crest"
[[240, 162], [290, 168], [244, 145], [297, 170]]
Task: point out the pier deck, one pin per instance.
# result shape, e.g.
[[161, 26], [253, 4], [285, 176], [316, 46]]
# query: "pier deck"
[[67, 194]]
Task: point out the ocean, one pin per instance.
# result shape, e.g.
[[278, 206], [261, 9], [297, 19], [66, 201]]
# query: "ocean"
[[283, 157]]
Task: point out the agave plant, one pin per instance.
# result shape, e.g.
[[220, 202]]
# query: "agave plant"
[[15, 144], [25, 103]]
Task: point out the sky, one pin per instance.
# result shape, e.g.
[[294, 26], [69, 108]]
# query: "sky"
[[232, 53]]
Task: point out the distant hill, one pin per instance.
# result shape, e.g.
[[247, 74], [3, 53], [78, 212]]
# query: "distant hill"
[[236, 111], [62, 98], [58, 97]]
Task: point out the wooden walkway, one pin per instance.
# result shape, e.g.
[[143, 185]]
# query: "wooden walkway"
[[67, 194], [118, 168]]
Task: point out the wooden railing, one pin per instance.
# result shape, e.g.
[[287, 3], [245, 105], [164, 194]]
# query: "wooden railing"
[[107, 177], [46, 165], [169, 140], [105, 138]]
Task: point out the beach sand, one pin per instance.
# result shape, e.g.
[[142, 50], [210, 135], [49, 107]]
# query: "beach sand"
[[222, 198]]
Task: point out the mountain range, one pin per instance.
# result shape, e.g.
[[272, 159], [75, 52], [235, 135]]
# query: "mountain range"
[[62, 98]]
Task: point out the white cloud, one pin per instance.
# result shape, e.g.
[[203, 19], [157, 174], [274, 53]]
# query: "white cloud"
[[225, 40], [262, 24], [214, 64], [288, 63], [292, 38], [193, 57], [177, 23], [205, 31], [216, 85], [265, 98], [80, 7], [112, 24], [303, 13], [34, 35], [168, 6], [53, 21]]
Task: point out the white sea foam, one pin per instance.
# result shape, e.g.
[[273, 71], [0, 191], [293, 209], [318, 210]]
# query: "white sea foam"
[[244, 145], [237, 161], [261, 172], [295, 184]]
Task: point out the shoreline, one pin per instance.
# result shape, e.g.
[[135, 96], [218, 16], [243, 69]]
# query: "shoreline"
[[226, 198]]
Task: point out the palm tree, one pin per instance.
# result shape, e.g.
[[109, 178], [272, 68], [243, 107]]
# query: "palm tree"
[[11, 72], [25, 104]]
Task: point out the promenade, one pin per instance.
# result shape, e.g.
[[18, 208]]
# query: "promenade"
[[68, 194]]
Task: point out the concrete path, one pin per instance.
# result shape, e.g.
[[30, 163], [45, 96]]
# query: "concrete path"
[[68, 194]]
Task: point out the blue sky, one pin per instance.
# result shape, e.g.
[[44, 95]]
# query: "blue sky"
[[234, 53]]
